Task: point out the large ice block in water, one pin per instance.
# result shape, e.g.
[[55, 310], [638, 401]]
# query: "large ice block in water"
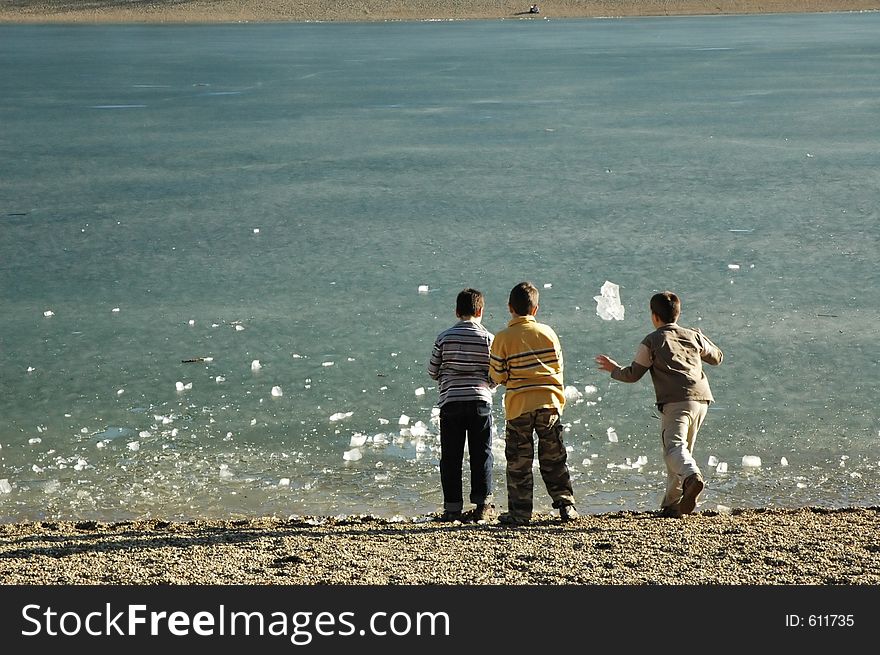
[[5, 487], [751, 461], [352, 455], [608, 305]]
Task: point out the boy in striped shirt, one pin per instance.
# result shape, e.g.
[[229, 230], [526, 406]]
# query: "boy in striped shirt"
[[460, 362], [526, 358]]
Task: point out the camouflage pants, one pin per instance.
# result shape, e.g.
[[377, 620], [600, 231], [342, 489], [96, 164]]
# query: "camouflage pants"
[[520, 452]]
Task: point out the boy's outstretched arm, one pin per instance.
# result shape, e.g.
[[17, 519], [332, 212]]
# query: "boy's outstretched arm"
[[709, 352], [633, 372]]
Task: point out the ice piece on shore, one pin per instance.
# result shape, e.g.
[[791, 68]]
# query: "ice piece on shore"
[[608, 305], [571, 393], [423, 288], [435, 411], [352, 455], [721, 468], [751, 461], [379, 440], [48, 313], [284, 482], [225, 472], [255, 365], [713, 461], [783, 462], [338, 416], [420, 391], [5, 487], [403, 420], [357, 440], [144, 434], [134, 445], [722, 509], [612, 435], [276, 391]]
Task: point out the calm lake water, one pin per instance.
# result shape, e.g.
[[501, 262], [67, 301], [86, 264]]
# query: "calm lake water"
[[281, 192]]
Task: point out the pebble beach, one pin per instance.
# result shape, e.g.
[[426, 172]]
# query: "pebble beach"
[[809, 546], [227, 11]]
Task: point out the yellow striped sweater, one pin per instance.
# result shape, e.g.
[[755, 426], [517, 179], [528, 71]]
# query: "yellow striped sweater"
[[526, 358]]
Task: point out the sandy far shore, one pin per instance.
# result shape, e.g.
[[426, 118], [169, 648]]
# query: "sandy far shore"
[[812, 546], [224, 11]]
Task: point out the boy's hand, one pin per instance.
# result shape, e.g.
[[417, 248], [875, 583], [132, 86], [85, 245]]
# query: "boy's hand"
[[606, 363]]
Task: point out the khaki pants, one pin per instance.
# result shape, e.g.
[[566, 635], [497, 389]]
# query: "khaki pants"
[[680, 424], [520, 452]]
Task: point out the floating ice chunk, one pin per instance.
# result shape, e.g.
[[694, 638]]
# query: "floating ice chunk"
[[435, 411], [253, 421], [548, 285], [219, 379], [384, 421], [357, 440], [713, 461], [191, 322], [640, 461], [255, 365], [783, 462], [571, 393], [338, 416], [296, 356], [34, 440], [276, 391], [352, 455], [134, 445], [239, 327], [587, 462], [419, 430], [284, 482], [256, 230], [612, 435], [119, 392], [115, 310], [733, 267], [721, 468], [379, 440], [751, 461], [144, 434], [48, 313], [423, 288], [80, 465], [326, 363], [420, 391], [589, 389], [608, 305], [403, 420], [225, 472], [31, 369], [5, 487], [179, 385]]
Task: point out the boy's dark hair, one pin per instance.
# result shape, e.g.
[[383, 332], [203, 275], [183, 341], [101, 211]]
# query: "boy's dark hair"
[[667, 306], [469, 303], [523, 298]]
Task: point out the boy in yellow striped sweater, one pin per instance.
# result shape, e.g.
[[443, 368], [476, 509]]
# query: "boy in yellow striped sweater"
[[526, 358]]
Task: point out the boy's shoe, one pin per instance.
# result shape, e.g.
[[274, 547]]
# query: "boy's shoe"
[[568, 513], [691, 490], [449, 516], [670, 512], [485, 512], [511, 519]]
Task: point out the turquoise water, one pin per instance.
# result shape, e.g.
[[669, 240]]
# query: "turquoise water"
[[281, 192]]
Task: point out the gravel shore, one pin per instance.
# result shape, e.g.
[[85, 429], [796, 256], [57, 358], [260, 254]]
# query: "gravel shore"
[[746, 547], [213, 11]]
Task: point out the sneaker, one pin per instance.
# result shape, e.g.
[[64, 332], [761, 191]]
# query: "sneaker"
[[691, 489], [510, 519], [670, 512], [568, 513], [449, 516], [484, 512]]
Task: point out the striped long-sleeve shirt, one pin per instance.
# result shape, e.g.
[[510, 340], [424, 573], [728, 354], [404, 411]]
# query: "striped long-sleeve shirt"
[[460, 362], [526, 358]]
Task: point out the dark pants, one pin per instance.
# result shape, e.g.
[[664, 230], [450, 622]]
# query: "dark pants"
[[462, 421], [552, 460]]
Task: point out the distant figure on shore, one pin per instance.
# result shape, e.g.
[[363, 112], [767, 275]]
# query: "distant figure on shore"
[[674, 355], [534, 9], [526, 357], [460, 362]]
